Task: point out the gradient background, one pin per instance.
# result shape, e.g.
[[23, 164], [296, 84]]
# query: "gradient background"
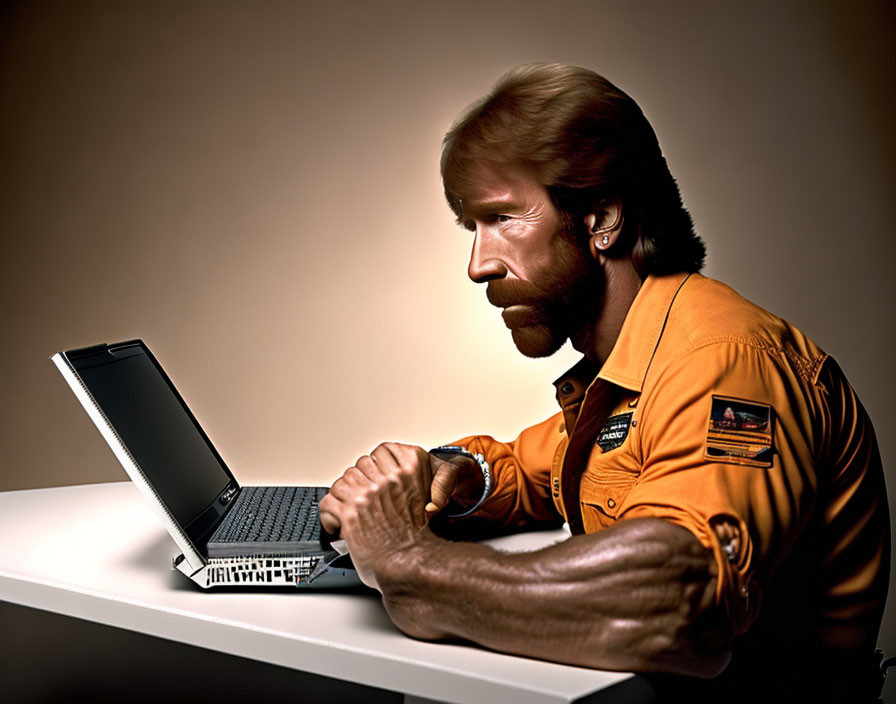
[[253, 189]]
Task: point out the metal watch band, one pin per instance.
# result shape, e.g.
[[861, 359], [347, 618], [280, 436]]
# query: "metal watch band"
[[448, 451]]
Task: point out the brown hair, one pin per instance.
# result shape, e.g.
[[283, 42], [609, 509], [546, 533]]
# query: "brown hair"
[[585, 141]]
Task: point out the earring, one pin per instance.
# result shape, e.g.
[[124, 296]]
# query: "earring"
[[598, 245]]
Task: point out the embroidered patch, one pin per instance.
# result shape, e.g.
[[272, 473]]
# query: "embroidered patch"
[[740, 432], [614, 432]]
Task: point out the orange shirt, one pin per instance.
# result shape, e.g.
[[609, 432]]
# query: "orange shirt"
[[718, 416]]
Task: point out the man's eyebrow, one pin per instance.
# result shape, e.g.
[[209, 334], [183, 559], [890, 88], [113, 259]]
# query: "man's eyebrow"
[[490, 206], [470, 209]]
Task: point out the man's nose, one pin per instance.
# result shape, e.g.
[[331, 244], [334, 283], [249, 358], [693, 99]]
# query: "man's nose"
[[485, 264]]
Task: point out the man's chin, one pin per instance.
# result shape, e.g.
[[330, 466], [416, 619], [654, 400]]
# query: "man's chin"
[[536, 341]]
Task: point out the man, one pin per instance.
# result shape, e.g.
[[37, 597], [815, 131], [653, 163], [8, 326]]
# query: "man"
[[721, 479]]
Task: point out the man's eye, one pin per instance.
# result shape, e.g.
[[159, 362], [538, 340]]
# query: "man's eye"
[[502, 218]]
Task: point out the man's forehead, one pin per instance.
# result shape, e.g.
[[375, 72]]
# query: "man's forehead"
[[494, 185]]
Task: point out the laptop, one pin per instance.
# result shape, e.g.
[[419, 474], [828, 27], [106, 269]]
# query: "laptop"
[[229, 535]]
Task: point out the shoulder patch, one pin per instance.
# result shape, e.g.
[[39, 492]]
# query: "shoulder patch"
[[740, 432], [614, 432]]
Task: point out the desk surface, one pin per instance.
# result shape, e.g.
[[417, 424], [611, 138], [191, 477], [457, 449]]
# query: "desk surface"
[[97, 552]]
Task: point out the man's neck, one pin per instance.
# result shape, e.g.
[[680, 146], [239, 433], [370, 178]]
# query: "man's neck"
[[597, 339]]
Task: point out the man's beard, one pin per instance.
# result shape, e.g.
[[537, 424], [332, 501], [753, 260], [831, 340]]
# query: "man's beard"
[[555, 306]]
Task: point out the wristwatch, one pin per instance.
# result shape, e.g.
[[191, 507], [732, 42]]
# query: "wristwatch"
[[446, 451]]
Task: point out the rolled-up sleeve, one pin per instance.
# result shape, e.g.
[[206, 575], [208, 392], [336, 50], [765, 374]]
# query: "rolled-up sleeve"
[[724, 483], [521, 471]]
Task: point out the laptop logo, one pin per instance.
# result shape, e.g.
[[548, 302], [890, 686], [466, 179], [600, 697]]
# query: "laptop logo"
[[227, 496]]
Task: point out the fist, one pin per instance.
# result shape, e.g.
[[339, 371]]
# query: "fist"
[[380, 505]]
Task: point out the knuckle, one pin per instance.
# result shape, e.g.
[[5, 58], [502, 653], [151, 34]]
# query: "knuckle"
[[400, 449], [353, 472]]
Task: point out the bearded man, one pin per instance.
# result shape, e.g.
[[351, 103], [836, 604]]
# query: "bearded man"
[[719, 476]]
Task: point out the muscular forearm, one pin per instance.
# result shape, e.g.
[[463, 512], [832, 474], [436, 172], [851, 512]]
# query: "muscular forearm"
[[635, 597]]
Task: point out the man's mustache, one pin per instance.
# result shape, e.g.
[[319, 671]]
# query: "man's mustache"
[[503, 293]]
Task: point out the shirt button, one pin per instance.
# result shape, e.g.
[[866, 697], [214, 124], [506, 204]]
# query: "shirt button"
[[611, 503], [567, 389]]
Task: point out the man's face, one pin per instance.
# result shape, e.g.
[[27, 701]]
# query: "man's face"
[[528, 255]]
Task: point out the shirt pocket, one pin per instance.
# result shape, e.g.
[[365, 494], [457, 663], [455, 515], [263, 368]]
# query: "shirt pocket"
[[601, 493]]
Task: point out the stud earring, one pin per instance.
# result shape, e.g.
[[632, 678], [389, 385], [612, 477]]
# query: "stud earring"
[[605, 240]]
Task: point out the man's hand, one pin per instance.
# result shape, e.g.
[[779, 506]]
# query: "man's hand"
[[638, 596], [382, 504]]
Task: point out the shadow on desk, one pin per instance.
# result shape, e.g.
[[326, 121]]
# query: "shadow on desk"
[[46, 658], [155, 554]]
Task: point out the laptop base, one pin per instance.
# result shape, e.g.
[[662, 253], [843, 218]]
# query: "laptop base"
[[267, 571]]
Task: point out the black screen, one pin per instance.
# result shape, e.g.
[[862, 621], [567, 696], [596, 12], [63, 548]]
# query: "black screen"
[[156, 428]]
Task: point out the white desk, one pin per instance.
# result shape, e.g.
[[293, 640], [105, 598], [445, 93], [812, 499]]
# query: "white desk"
[[97, 552]]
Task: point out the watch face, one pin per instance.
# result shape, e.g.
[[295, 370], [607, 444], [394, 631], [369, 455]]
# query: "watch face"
[[450, 450]]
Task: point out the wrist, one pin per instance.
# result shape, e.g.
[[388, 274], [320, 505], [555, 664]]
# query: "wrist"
[[400, 573], [404, 582], [474, 482]]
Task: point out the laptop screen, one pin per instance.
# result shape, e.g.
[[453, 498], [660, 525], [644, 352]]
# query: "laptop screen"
[[156, 427]]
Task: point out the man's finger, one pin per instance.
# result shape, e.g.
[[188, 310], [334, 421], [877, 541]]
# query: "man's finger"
[[356, 476], [328, 518], [369, 466], [443, 482], [340, 491], [385, 459], [329, 522]]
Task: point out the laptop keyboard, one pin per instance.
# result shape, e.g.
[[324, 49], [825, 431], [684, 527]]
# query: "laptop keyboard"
[[272, 514]]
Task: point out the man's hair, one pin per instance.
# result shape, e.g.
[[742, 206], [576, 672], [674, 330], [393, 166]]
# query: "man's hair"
[[585, 141]]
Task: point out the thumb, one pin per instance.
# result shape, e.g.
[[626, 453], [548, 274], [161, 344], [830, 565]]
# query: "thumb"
[[443, 482]]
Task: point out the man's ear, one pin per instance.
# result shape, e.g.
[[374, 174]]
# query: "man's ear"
[[605, 225]]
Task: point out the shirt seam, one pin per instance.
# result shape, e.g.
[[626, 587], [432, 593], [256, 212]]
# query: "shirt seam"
[[807, 369]]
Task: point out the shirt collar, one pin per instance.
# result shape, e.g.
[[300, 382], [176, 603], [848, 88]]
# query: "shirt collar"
[[634, 349]]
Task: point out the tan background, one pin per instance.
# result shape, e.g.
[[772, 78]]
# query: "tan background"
[[253, 189]]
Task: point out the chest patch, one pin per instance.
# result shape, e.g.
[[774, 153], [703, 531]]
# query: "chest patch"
[[614, 432], [740, 432]]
